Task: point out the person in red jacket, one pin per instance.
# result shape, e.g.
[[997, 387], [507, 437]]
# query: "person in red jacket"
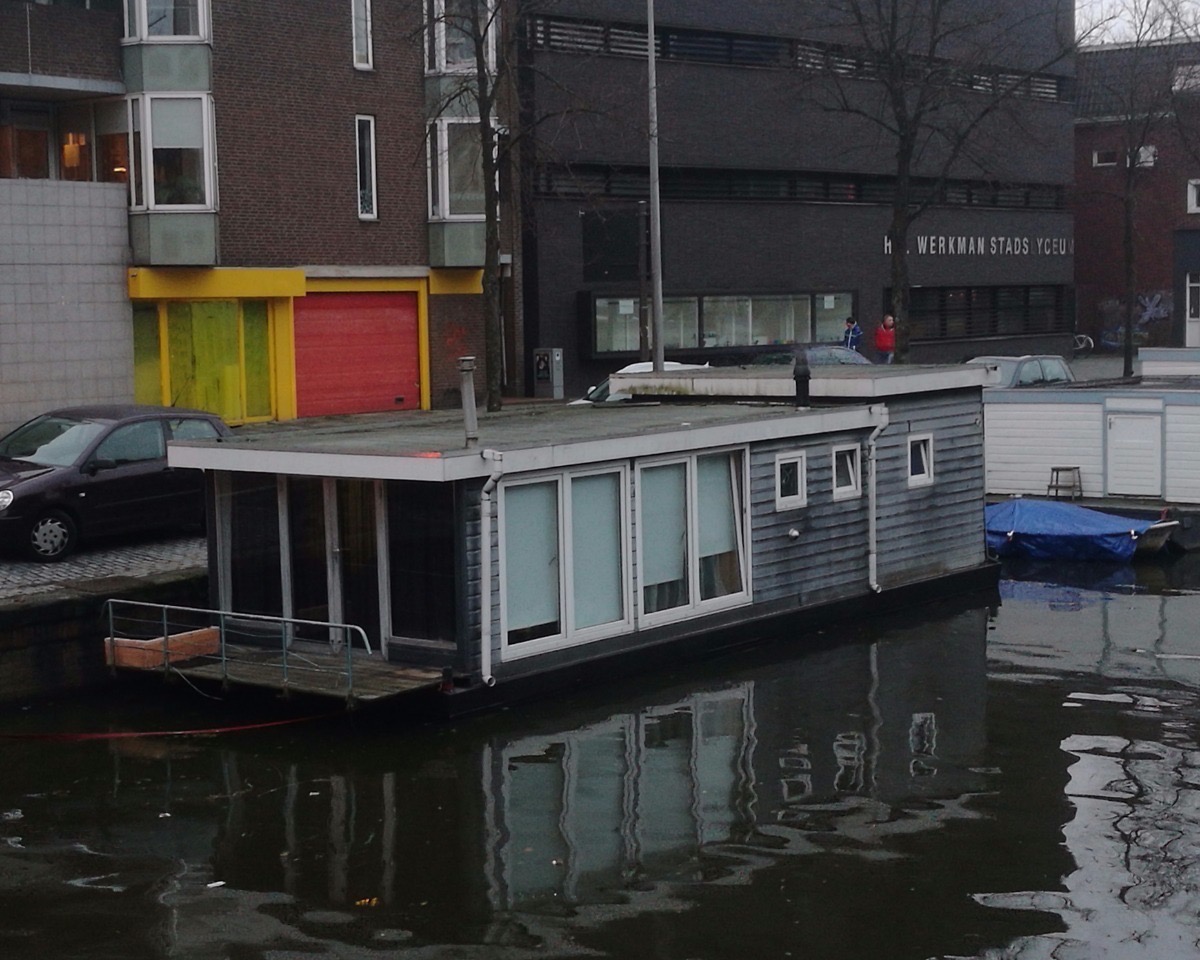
[[885, 340]]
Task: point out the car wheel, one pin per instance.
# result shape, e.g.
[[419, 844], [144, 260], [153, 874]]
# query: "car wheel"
[[51, 537]]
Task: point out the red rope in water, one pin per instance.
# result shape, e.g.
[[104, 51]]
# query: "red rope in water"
[[129, 734]]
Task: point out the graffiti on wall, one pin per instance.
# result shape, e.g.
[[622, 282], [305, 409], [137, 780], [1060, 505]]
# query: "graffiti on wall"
[[1151, 320]]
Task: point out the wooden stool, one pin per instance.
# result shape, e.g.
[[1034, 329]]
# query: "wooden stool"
[[1065, 478]]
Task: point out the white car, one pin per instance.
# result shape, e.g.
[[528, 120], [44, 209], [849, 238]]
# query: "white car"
[[600, 393]]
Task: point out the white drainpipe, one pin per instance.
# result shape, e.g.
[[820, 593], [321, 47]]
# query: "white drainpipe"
[[485, 565], [872, 500]]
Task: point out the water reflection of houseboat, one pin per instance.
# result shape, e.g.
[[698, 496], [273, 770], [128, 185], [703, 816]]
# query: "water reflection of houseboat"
[[606, 532]]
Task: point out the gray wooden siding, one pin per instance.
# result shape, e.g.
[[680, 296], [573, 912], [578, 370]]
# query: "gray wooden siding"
[[936, 529], [829, 558]]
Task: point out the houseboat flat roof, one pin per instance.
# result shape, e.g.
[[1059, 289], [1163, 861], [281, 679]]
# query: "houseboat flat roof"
[[432, 446]]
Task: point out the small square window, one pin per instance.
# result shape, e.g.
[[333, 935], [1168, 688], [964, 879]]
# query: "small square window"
[[920, 461], [1104, 158], [791, 481], [1193, 196], [847, 473]]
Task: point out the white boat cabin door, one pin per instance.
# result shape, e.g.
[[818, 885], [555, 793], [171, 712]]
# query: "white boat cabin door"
[[1133, 460]]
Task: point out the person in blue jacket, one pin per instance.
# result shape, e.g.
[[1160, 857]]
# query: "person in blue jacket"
[[853, 334]]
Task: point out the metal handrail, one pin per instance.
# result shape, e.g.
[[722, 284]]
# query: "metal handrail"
[[222, 616]]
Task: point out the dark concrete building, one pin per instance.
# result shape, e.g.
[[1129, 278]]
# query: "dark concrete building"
[[775, 208], [1137, 140]]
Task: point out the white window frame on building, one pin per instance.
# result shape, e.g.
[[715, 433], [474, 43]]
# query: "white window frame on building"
[[442, 190], [851, 454], [439, 25], [697, 530], [920, 460], [360, 15], [1191, 290], [142, 149], [139, 14], [364, 152], [791, 480], [588, 554], [1193, 196], [1104, 158], [1145, 156]]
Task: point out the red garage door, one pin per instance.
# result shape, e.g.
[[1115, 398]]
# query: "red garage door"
[[356, 353]]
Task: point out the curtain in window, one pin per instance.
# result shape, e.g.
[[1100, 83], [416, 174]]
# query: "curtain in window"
[[596, 537], [177, 127], [718, 511], [531, 561], [664, 537]]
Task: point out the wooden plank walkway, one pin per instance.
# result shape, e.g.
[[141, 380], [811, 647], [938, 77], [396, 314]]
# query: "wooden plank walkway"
[[313, 672]]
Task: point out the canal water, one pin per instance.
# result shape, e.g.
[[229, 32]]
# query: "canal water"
[[988, 780]]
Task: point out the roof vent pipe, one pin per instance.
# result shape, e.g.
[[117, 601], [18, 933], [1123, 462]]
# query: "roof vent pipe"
[[466, 372]]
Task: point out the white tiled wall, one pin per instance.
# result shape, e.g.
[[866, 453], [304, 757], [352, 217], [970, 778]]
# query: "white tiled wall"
[[66, 331]]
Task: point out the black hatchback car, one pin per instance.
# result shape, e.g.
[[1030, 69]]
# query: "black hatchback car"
[[95, 471]]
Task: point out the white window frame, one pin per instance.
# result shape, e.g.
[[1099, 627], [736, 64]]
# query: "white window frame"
[[695, 606], [440, 183], [136, 18], [373, 213], [1193, 196], [568, 635], [925, 479], [854, 491], [1145, 156], [367, 62], [1098, 162], [435, 44], [140, 107], [799, 499], [1191, 287]]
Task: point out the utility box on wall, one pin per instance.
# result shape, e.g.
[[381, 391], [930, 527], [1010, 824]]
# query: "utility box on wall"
[[548, 372]]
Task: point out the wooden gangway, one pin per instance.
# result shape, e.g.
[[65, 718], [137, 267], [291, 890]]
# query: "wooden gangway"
[[288, 655]]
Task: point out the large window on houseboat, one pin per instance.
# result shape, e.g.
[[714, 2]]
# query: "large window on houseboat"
[[664, 537], [692, 532], [563, 559], [596, 540], [421, 550], [531, 555]]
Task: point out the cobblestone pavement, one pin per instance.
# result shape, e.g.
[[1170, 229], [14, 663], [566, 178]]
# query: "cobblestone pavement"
[[133, 558]]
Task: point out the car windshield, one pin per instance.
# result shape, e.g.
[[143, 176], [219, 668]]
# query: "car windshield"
[[51, 441]]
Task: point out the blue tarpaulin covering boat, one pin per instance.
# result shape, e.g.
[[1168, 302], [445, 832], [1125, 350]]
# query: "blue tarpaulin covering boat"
[[1044, 530]]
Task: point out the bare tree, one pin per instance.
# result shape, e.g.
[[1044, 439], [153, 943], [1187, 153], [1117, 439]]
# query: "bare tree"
[[941, 83], [1145, 87]]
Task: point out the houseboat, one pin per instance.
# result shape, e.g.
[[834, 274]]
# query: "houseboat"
[[499, 550]]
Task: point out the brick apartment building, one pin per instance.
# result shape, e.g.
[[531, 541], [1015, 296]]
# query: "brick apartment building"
[[775, 209], [1138, 133], [192, 215]]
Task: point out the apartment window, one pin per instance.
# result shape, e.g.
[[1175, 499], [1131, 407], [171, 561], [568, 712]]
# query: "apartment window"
[[451, 28], [179, 157], [1104, 158], [791, 481], [455, 170], [847, 472], [920, 460], [158, 20], [1193, 196], [1146, 156], [1187, 77], [1192, 283], [365, 130], [360, 12]]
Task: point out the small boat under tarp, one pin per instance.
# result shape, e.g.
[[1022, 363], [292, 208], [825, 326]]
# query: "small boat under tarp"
[[1045, 530]]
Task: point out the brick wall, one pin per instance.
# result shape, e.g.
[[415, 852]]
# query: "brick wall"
[[455, 330], [286, 94], [60, 42]]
